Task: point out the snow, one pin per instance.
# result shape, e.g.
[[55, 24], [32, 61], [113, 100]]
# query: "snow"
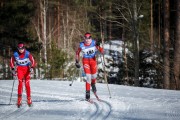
[[56, 100]]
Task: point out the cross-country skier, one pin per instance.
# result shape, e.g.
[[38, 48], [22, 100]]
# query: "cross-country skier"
[[89, 48], [23, 63]]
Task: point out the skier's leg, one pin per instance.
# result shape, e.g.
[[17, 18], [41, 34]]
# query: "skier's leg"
[[88, 86], [19, 100], [93, 75], [28, 88], [87, 94], [20, 86], [88, 78], [93, 85]]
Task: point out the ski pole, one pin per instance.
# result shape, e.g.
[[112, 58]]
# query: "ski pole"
[[105, 75], [12, 90], [72, 80]]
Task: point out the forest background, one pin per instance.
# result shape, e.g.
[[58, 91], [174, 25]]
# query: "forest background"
[[51, 30]]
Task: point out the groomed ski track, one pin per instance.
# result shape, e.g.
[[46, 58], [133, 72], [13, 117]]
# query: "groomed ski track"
[[56, 100]]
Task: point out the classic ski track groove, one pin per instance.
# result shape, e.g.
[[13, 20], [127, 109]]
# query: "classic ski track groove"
[[108, 105], [102, 110]]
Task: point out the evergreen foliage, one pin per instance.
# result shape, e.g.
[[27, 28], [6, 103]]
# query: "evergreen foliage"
[[14, 19], [57, 60]]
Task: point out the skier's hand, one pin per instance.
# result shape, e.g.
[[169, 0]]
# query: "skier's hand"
[[31, 70], [13, 71], [97, 43], [77, 64], [101, 50]]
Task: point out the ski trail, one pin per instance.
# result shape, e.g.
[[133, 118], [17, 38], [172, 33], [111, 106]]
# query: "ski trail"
[[93, 111], [108, 109], [102, 110], [166, 106], [16, 113], [171, 112]]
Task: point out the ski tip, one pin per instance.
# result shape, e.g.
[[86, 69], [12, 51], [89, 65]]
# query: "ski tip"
[[100, 100], [90, 101]]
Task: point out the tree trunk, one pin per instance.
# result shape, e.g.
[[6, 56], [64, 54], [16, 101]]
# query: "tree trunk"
[[67, 30], [64, 33], [110, 23], [126, 82], [166, 45], [101, 27], [58, 26], [177, 49], [44, 34], [136, 40], [159, 25], [151, 35]]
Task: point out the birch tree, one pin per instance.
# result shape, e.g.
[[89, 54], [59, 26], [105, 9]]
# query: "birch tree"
[[41, 27]]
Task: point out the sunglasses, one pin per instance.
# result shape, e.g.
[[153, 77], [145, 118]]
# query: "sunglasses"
[[20, 48], [87, 38]]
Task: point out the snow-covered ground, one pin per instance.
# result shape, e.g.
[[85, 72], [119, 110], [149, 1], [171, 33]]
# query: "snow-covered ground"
[[56, 100]]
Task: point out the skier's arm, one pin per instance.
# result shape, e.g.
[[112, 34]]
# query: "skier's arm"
[[77, 54], [101, 50], [12, 62], [31, 58], [77, 58]]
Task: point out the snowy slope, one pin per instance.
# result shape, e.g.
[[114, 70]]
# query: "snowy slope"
[[56, 100]]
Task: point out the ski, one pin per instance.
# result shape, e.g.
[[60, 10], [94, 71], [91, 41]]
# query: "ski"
[[90, 101], [97, 97]]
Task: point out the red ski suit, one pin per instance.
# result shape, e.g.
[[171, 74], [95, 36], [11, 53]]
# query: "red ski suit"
[[89, 61], [22, 63]]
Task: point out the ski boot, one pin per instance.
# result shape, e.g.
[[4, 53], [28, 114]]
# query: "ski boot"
[[94, 91], [88, 96], [93, 87], [19, 101], [29, 101]]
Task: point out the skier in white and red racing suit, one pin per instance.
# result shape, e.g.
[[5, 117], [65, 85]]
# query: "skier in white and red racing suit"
[[24, 63], [89, 48]]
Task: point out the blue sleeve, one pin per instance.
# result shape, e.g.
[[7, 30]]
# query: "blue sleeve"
[[15, 54], [27, 54]]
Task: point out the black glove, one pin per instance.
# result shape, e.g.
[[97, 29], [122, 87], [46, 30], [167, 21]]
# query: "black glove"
[[13, 71], [31, 70], [77, 64], [97, 43]]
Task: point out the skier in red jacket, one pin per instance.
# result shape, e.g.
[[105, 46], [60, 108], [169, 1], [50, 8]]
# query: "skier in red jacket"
[[23, 63], [89, 48]]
